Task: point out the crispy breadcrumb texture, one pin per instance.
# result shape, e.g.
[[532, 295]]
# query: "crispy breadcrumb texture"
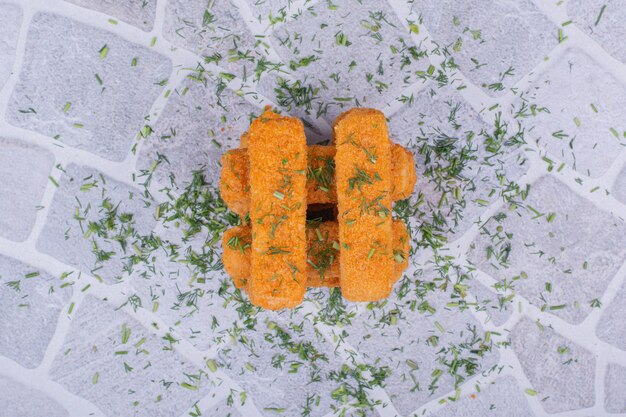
[[323, 255], [234, 182], [278, 161], [320, 184], [363, 177], [401, 249], [236, 243], [403, 171]]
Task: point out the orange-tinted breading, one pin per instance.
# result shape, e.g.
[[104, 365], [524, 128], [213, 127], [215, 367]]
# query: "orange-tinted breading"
[[277, 177], [363, 178], [320, 176], [403, 171], [323, 256], [236, 256], [401, 248], [320, 185], [234, 186]]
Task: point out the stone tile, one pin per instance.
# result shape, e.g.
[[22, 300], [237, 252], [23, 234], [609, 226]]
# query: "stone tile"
[[213, 29], [138, 13], [493, 302], [614, 386], [29, 308], [112, 361], [10, 22], [274, 8], [413, 346], [195, 310], [194, 129], [502, 398], [585, 102], [108, 96], [88, 191], [221, 409], [441, 116], [488, 38], [24, 171], [564, 263], [619, 187], [548, 359], [603, 21], [330, 48], [275, 366], [612, 327], [17, 400]]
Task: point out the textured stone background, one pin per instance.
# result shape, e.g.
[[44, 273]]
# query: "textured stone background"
[[56, 348]]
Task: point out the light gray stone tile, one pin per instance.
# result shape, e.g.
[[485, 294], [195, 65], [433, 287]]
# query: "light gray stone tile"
[[612, 327], [274, 8], [442, 122], [24, 171], [564, 263], [221, 409], [614, 388], [619, 187], [114, 362], [17, 400], [65, 63], [283, 369], [194, 129], [30, 303], [10, 21], [501, 398], [346, 55], [83, 194], [138, 13], [548, 359], [495, 43], [413, 346], [584, 103], [493, 302], [213, 29], [603, 21], [194, 309]]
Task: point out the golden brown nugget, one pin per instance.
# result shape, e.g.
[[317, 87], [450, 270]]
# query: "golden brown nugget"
[[401, 248], [234, 182], [403, 173], [320, 176], [320, 185], [236, 255], [323, 255], [278, 162], [363, 178]]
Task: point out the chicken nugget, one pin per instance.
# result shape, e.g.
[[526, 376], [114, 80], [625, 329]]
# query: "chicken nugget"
[[363, 178], [320, 177], [277, 175], [323, 255]]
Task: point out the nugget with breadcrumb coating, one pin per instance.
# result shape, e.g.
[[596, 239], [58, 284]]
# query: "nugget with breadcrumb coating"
[[363, 177], [320, 176], [277, 176]]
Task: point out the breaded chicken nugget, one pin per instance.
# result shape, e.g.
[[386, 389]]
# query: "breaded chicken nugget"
[[403, 171], [323, 255], [363, 178], [234, 182], [401, 248], [236, 243], [278, 162], [320, 176]]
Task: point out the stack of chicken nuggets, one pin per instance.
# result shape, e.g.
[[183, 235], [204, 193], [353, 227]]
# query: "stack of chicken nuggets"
[[285, 190]]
